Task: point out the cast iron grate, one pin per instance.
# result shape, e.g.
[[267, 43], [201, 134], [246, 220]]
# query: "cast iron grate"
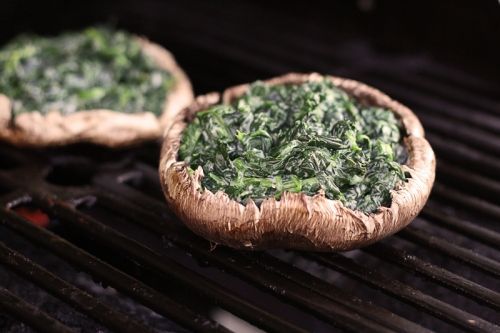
[[114, 258], [107, 209]]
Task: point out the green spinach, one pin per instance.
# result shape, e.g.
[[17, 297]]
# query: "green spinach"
[[305, 138], [98, 68]]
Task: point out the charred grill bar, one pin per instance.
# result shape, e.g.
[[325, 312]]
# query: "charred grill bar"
[[109, 224]]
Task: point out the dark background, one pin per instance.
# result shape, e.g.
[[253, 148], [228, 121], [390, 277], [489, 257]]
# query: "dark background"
[[271, 37]]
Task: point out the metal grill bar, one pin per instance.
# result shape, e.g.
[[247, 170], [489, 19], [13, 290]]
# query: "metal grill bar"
[[465, 255], [428, 104], [438, 274], [123, 191], [479, 139], [474, 183], [287, 271], [466, 228], [455, 77], [457, 95], [458, 152], [166, 266], [332, 312], [458, 180], [464, 200], [69, 293], [119, 280], [406, 293], [227, 261], [29, 314]]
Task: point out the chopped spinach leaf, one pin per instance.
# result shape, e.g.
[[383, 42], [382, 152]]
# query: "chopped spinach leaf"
[[97, 68], [298, 138]]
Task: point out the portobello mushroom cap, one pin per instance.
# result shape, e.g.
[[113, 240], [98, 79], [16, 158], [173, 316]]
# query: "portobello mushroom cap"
[[99, 126], [296, 221]]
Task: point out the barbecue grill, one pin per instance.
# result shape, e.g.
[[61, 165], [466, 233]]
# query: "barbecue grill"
[[88, 244]]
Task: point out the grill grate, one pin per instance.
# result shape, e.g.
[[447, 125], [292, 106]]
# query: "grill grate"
[[30, 314], [109, 219]]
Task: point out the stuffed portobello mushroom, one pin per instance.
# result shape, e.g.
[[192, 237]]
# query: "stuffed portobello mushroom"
[[301, 161], [98, 85]]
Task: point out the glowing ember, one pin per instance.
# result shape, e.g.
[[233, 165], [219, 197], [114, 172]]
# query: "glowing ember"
[[34, 215]]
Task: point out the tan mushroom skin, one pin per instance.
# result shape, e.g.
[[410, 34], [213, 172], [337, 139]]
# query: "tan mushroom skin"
[[296, 221], [104, 127]]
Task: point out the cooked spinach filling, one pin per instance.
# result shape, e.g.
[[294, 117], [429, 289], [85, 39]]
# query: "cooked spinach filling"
[[97, 68], [298, 138]]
